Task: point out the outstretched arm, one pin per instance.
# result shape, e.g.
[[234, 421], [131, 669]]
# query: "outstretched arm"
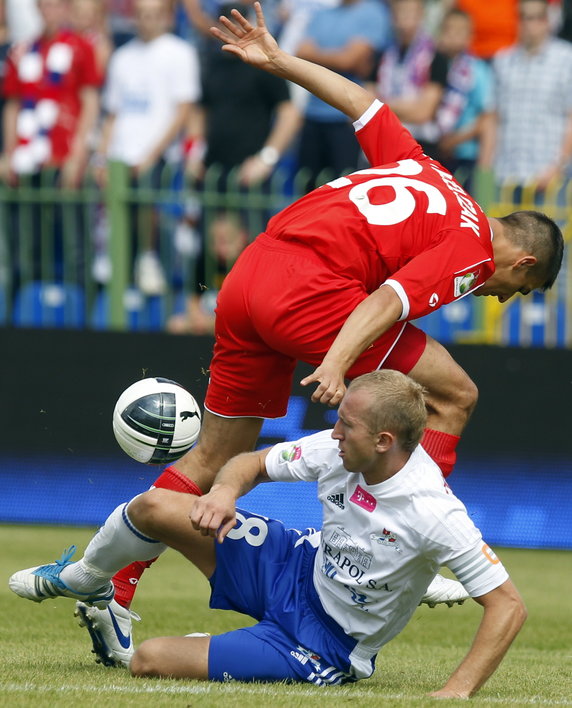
[[256, 46], [504, 615]]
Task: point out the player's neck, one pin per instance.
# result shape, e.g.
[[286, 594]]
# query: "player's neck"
[[391, 463]]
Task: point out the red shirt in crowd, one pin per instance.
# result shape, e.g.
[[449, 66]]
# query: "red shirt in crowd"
[[47, 77]]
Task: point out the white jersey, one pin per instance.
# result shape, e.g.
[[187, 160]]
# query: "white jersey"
[[381, 545], [147, 82]]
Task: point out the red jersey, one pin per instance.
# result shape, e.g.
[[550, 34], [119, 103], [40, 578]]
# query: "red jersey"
[[405, 222], [47, 77]]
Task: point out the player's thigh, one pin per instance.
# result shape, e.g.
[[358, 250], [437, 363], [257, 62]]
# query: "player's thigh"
[[251, 655], [176, 657], [446, 382]]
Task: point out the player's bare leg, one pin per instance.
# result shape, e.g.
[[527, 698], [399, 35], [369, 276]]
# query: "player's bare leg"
[[451, 398], [219, 440], [172, 657], [451, 393]]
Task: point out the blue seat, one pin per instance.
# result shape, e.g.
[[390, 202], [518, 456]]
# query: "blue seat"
[[144, 313], [58, 305], [534, 322]]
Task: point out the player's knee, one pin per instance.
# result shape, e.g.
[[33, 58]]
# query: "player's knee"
[[466, 396], [146, 660], [147, 509]]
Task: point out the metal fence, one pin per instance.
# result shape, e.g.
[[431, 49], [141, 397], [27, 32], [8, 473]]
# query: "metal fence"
[[70, 258]]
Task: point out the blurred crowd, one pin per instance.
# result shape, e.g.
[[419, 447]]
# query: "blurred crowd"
[[479, 84]]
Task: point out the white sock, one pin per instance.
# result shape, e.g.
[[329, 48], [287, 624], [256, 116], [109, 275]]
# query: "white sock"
[[117, 544]]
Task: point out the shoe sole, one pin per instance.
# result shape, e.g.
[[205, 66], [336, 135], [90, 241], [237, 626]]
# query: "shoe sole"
[[100, 648]]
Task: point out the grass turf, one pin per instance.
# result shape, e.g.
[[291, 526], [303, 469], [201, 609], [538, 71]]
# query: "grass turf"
[[46, 659]]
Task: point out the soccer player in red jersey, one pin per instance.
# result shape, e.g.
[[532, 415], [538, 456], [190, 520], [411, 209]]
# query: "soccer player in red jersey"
[[337, 276]]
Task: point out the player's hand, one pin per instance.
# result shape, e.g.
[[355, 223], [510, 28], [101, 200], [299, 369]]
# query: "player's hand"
[[331, 387], [447, 693], [214, 514], [254, 45], [253, 171]]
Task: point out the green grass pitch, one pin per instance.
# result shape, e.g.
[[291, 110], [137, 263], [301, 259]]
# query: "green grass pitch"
[[46, 658]]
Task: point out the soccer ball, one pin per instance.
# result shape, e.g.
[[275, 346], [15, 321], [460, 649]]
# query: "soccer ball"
[[156, 421]]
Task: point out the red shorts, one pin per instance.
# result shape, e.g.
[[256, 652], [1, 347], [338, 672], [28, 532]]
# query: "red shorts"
[[279, 305]]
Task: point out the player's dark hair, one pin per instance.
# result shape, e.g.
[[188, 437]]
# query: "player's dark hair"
[[397, 405], [540, 236], [456, 12]]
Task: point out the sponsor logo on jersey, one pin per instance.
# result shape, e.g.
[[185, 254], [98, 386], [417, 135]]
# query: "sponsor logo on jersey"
[[343, 541], [363, 499], [358, 598], [386, 538], [433, 300], [463, 283], [337, 499], [293, 453]]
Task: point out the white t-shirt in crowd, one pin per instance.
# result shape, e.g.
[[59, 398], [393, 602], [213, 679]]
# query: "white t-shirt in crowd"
[[147, 82], [23, 20], [381, 545]]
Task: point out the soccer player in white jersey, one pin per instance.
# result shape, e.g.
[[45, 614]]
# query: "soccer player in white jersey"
[[326, 601]]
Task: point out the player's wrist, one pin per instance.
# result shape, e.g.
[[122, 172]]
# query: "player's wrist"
[[269, 155]]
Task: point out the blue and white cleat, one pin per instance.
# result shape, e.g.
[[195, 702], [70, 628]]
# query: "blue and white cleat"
[[444, 591], [110, 630], [43, 583]]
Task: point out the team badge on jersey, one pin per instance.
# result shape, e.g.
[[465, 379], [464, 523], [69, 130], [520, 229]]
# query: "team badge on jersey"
[[464, 283], [293, 453], [386, 538]]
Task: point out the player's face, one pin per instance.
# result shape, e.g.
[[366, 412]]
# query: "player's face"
[[505, 283], [356, 441]]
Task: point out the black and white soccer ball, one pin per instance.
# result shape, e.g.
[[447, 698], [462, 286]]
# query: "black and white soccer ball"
[[156, 421]]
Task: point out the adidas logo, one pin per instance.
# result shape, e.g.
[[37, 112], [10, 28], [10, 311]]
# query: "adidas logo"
[[337, 499]]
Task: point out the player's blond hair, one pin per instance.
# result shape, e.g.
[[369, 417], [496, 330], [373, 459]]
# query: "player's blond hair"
[[397, 405]]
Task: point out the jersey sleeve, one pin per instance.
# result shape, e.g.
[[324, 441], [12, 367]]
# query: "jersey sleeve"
[[452, 269], [302, 460], [383, 138], [479, 570]]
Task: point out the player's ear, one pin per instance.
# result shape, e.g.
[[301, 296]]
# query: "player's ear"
[[525, 262], [384, 441]]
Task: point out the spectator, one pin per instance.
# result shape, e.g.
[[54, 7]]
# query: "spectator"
[[51, 89], [411, 77], [495, 25], [152, 85], [88, 17], [23, 19], [466, 98], [344, 39], [248, 147], [121, 18], [531, 127]]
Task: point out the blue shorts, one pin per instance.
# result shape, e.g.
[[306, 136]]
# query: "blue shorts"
[[265, 570]]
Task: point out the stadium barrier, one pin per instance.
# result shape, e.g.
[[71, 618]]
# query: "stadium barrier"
[[60, 464], [67, 258]]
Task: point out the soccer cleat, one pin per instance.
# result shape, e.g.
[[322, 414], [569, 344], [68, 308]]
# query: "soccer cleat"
[[43, 582], [110, 632], [444, 591]]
